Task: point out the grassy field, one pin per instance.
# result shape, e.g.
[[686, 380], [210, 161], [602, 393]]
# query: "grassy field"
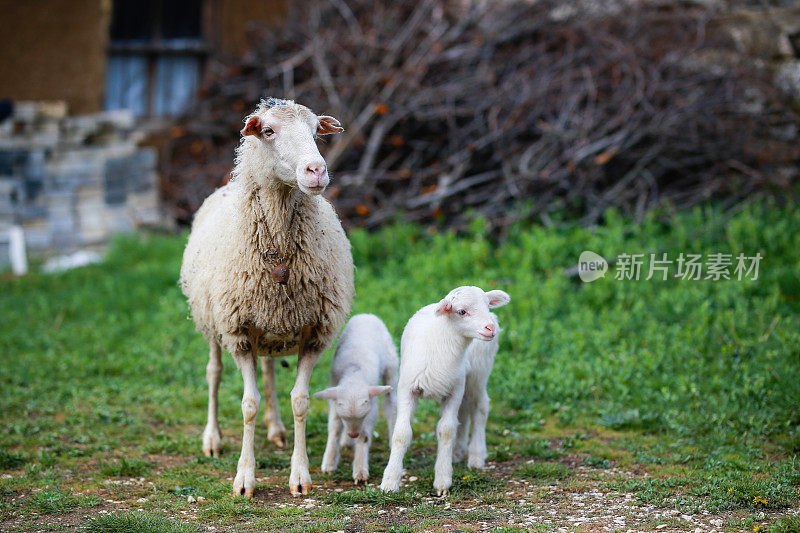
[[646, 405]]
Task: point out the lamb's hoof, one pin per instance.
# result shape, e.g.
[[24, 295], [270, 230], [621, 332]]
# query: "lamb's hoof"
[[362, 476], [389, 486], [476, 463], [300, 490], [442, 492]]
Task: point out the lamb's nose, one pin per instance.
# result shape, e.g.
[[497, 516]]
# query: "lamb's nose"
[[489, 329], [316, 170], [353, 435]]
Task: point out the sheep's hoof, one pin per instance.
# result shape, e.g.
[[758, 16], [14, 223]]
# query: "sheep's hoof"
[[211, 452], [300, 490], [278, 440], [244, 485], [442, 492], [247, 492]]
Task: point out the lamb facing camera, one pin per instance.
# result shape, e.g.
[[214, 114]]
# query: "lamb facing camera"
[[446, 354]]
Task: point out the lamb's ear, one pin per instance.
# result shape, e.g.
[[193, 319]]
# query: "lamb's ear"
[[253, 126], [444, 307], [327, 394], [328, 125], [377, 391], [497, 298]]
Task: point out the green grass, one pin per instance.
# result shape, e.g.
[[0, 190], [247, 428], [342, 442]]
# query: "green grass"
[[137, 523], [544, 471], [57, 501], [123, 467], [693, 382]]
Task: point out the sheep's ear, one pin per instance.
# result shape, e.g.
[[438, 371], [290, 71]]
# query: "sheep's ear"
[[497, 298], [327, 394], [377, 391], [328, 125], [444, 307], [253, 126]]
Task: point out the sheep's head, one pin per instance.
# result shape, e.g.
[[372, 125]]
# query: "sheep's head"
[[353, 404], [467, 308], [286, 133]]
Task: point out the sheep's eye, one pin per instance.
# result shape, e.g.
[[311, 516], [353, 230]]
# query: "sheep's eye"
[[268, 131], [462, 312]]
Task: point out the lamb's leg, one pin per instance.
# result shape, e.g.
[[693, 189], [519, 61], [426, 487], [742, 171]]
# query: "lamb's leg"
[[211, 435], [477, 443], [446, 433], [401, 439], [462, 436], [276, 432], [330, 460], [362, 444], [245, 481], [300, 479], [390, 400]]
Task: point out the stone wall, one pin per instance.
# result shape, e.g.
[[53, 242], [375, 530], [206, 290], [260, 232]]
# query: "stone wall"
[[74, 181]]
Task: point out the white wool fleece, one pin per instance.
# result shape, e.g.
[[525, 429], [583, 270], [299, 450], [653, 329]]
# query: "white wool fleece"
[[268, 271]]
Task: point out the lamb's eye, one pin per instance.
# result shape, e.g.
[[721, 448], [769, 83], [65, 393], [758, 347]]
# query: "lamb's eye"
[[268, 132], [462, 312]]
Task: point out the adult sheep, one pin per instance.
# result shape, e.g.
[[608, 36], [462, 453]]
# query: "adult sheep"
[[268, 271]]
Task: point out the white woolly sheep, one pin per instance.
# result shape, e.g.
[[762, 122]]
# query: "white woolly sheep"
[[268, 271], [365, 357], [434, 364]]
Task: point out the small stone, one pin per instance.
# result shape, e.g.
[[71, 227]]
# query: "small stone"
[[191, 499], [201, 498], [413, 478]]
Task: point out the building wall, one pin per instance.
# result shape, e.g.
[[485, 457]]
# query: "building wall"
[[238, 17], [55, 50]]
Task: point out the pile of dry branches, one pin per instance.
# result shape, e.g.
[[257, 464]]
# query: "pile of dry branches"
[[506, 109]]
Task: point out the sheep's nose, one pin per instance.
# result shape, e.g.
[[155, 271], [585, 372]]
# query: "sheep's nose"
[[489, 329], [353, 434], [316, 170]]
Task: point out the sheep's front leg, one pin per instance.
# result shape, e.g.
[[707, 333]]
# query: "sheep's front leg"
[[330, 460], [361, 446], [211, 435], [276, 432], [245, 481], [300, 479], [477, 443], [401, 439], [446, 433]]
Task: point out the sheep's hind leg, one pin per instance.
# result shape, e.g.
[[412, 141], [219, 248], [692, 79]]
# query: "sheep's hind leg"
[[462, 436], [446, 433], [300, 479], [211, 435], [245, 481], [276, 432], [477, 443]]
